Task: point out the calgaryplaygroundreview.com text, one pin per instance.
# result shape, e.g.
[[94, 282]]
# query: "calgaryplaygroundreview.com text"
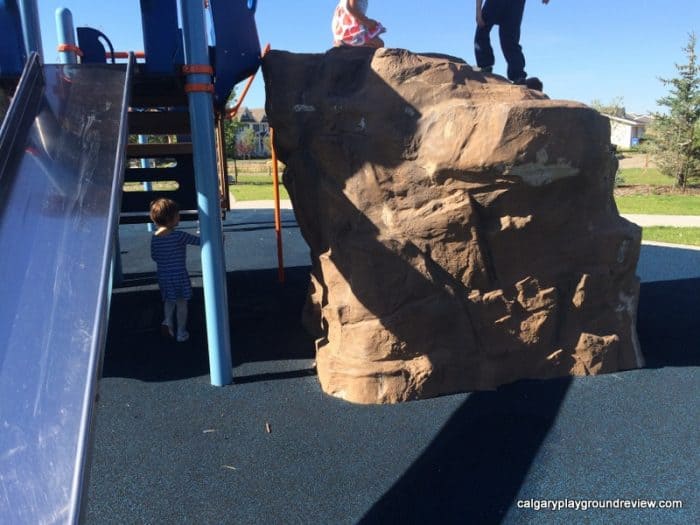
[[590, 504]]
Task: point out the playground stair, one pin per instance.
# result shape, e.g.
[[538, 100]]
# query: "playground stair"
[[171, 162]]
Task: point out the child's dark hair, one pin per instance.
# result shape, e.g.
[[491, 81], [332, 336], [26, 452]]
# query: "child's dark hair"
[[164, 211]]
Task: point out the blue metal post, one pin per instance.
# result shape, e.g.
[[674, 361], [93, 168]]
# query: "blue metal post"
[[146, 163], [205, 168], [66, 35], [30, 26]]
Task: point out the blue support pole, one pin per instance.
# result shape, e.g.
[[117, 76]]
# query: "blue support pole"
[[30, 26], [146, 163], [66, 35], [201, 106]]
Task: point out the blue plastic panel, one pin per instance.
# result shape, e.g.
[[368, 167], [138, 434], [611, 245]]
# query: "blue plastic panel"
[[161, 37], [60, 186], [237, 51], [91, 42], [12, 52]]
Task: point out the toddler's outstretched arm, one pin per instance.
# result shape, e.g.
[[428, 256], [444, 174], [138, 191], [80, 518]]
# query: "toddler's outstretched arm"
[[191, 239]]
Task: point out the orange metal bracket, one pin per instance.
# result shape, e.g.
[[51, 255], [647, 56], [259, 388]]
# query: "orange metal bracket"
[[197, 69], [196, 88], [125, 54], [278, 213], [69, 48]]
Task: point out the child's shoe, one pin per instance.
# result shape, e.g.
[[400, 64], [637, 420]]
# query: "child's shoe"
[[183, 336], [166, 331]]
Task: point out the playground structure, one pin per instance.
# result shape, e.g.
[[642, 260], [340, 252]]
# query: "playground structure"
[[64, 157]]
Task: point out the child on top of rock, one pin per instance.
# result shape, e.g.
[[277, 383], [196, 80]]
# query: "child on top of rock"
[[352, 27]]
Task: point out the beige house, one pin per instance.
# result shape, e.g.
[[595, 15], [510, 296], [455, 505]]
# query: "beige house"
[[255, 120], [627, 131]]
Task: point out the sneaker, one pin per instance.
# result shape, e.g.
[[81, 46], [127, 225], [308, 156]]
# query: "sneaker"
[[487, 69], [530, 83], [534, 83], [166, 331], [183, 336]]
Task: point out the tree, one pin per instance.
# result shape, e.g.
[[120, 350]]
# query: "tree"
[[675, 136], [231, 126], [231, 129], [245, 143], [614, 108], [267, 143]]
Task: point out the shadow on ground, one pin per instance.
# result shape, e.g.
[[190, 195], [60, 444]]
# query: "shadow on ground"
[[265, 326], [456, 459], [473, 470], [667, 323]]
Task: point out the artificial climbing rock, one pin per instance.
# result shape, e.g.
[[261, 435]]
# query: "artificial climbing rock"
[[462, 229]]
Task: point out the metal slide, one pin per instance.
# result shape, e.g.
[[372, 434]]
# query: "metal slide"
[[62, 149]]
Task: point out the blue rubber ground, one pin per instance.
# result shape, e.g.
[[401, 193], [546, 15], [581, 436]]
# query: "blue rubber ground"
[[170, 448]]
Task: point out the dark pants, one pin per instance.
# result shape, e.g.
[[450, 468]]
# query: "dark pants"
[[507, 15]]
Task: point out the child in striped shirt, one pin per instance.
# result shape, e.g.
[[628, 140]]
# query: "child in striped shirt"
[[169, 250]]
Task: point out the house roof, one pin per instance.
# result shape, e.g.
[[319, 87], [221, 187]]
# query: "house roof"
[[627, 121], [256, 115], [259, 114], [640, 117]]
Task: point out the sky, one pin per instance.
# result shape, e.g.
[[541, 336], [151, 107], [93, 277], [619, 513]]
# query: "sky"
[[582, 50]]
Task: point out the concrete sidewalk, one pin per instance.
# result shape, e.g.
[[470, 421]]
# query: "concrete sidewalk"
[[285, 204], [683, 221]]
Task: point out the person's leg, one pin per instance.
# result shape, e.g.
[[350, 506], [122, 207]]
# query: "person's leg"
[[166, 327], [182, 334], [509, 33], [483, 51]]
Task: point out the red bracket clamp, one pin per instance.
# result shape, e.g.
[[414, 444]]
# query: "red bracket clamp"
[[69, 48], [197, 69], [198, 88]]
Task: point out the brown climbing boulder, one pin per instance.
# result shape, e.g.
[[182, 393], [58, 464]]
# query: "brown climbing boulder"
[[463, 232]]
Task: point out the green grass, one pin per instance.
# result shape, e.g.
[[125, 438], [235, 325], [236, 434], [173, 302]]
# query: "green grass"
[[641, 176], [255, 188], [659, 204], [689, 236], [167, 185], [254, 180], [252, 167]]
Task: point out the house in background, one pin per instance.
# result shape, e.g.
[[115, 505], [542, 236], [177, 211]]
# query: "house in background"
[[252, 138], [627, 130]]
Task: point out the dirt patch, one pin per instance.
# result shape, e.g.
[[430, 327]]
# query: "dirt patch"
[[635, 160]]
